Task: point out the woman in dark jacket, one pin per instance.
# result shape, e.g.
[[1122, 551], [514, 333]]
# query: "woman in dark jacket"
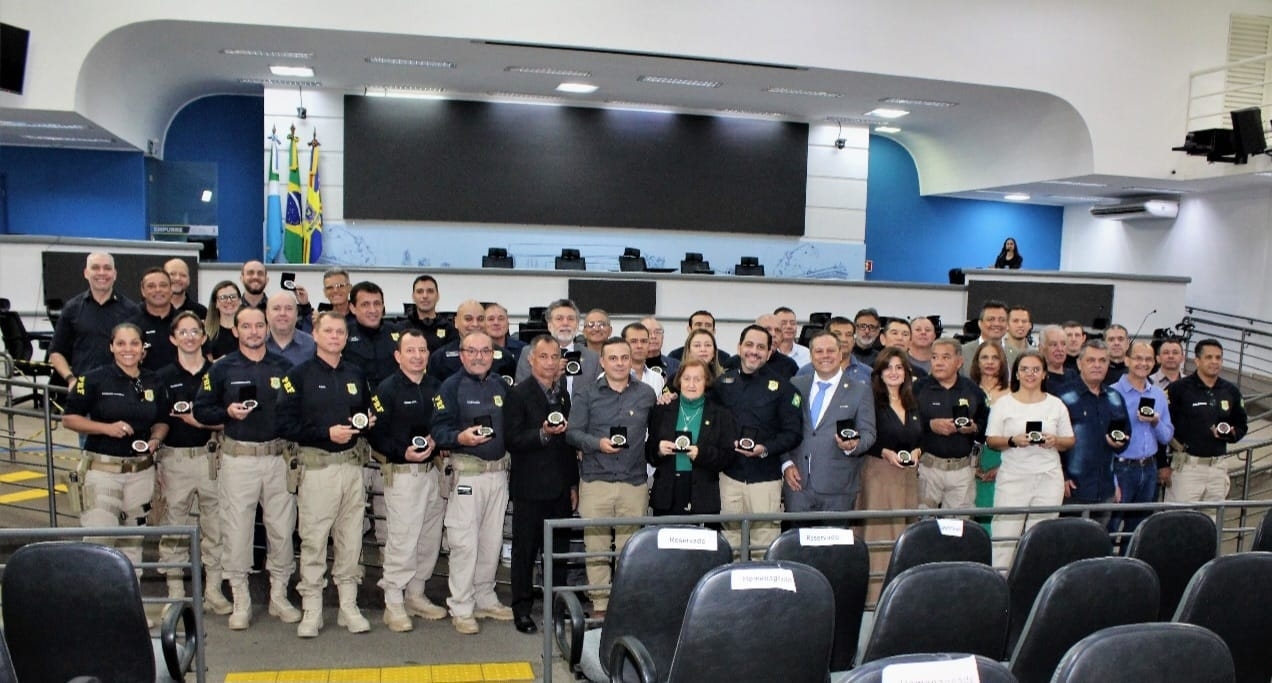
[[690, 442]]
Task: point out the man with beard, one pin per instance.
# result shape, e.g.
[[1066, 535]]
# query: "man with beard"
[[562, 318], [182, 298], [867, 342]]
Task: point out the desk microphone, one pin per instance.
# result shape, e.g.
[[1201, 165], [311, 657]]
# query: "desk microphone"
[[1141, 325]]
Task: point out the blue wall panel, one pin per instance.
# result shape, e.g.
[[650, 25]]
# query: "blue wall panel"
[[912, 238], [226, 130], [75, 193]]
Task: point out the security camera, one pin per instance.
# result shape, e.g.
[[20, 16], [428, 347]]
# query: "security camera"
[[302, 113], [839, 144]]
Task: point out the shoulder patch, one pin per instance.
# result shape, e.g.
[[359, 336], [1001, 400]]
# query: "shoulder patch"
[[438, 403]]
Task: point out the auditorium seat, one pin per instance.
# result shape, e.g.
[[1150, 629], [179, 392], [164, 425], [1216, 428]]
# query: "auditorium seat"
[[1079, 599], [1044, 548], [932, 540], [1175, 543], [845, 561], [570, 260], [74, 609], [941, 607], [496, 257], [653, 578], [1232, 596], [1263, 535], [1148, 652], [748, 622]]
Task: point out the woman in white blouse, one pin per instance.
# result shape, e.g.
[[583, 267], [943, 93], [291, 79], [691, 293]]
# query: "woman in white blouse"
[[1030, 427]]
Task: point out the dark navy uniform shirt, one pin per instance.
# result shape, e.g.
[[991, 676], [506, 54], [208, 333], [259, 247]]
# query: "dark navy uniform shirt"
[[446, 362], [463, 397], [936, 402], [156, 334], [438, 330], [182, 385], [82, 334], [108, 394], [372, 351], [1195, 408], [403, 410], [317, 396], [767, 403], [225, 383]]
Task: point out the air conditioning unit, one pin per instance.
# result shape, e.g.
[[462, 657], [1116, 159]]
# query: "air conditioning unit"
[[1139, 210]]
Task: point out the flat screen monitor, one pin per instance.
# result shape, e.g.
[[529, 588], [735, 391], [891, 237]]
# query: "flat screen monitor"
[[13, 57]]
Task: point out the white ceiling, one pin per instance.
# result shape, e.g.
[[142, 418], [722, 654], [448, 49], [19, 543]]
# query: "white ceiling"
[[163, 65]]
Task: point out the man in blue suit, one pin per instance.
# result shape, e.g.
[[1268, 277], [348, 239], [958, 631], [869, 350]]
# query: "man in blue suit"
[[822, 473]]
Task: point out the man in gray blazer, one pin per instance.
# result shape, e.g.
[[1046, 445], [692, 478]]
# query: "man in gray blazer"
[[821, 474], [562, 318]]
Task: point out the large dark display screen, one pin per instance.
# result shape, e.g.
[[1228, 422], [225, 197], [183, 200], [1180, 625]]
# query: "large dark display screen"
[[483, 162]]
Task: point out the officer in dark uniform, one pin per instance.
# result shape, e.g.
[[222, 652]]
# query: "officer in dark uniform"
[[469, 422], [770, 423], [120, 407], [438, 329], [470, 317], [1208, 413], [954, 416], [155, 319], [324, 409], [81, 339], [545, 473], [240, 391], [187, 467], [413, 485], [372, 342]]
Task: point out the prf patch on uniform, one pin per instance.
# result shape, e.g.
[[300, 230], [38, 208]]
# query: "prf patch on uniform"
[[148, 395], [287, 386], [395, 335], [773, 385], [353, 388], [376, 404], [437, 403], [499, 401], [79, 386], [274, 383], [963, 402], [795, 400], [207, 381], [1223, 405]]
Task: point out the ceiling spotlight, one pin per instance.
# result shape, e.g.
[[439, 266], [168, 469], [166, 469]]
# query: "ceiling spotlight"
[[292, 71], [577, 88], [1016, 197], [886, 113]]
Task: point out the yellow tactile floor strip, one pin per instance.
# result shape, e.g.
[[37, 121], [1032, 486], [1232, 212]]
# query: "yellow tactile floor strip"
[[494, 672], [30, 494], [20, 475]]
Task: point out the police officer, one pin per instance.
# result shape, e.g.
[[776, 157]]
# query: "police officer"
[[1208, 414], [119, 407], [954, 416], [324, 409], [240, 391], [187, 466], [81, 339], [470, 317], [155, 319], [403, 405], [770, 423], [372, 347], [437, 328], [469, 423]]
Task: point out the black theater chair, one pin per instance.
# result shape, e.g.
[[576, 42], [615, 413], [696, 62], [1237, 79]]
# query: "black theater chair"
[[988, 670], [1175, 543], [1232, 596], [570, 260], [1148, 652], [74, 609], [1044, 548], [941, 607], [653, 578], [748, 622], [1263, 535], [845, 561], [693, 264], [931, 540], [1077, 600]]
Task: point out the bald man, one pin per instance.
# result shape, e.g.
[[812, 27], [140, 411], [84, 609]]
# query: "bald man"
[[182, 298], [470, 317]]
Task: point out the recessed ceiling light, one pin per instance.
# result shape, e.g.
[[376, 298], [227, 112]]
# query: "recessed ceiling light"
[[293, 71], [272, 54], [548, 71], [46, 125], [914, 102], [1078, 198], [576, 88], [886, 113], [801, 91], [887, 129], [280, 82], [850, 121], [745, 112], [672, 80], [1016, 197], [640, 106], [404, 91], [59, 138], [503, 94], [404, 61], [1156, 190], [1075, 183]]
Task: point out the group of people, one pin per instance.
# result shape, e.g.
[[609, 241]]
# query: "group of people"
[[874, 413]]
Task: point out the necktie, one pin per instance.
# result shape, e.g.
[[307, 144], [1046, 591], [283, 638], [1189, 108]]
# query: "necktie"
[[818, 398]]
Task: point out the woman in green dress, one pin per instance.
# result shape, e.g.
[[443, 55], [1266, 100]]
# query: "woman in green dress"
[[989, 371]]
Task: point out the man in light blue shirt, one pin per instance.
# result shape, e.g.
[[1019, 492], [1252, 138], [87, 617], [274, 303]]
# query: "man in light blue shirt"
[[284, 339], [1136, 467]]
